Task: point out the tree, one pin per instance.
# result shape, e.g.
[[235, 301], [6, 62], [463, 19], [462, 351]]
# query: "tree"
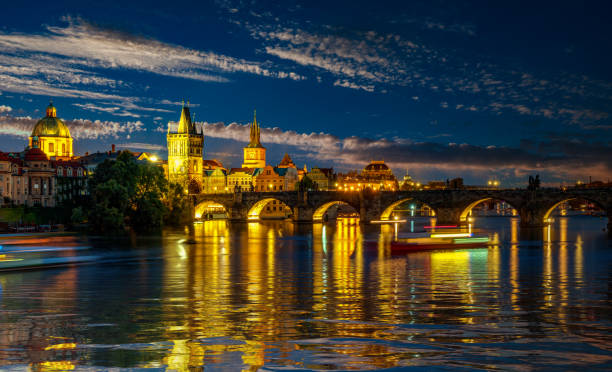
[[127, 193], [178, 206], [306, 184]]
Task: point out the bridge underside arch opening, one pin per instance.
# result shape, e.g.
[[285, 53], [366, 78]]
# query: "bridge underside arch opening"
[[269, 208], [408, 207], [488, 206], [194, 187], [332, 210], [210, 210], [574, 206]]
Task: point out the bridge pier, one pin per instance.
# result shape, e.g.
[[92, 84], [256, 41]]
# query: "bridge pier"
[[237, 213], [448, 216], [302, 214], [532, 218]]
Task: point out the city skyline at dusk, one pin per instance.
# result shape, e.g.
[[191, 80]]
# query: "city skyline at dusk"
[[435, 88]]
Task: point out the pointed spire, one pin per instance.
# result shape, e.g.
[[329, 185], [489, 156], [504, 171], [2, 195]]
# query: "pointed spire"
[[185, 125], [255, 132]]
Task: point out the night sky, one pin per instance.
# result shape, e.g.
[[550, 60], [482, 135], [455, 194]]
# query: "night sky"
[[442, 89]]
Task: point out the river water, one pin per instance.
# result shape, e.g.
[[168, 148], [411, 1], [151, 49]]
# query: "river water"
[[275, 295]]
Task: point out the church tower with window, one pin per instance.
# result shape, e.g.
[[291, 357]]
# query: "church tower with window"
[[254, 152], [185, 145]]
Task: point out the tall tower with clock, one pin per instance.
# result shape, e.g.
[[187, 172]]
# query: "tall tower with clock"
[[185, 145], [254, 152]]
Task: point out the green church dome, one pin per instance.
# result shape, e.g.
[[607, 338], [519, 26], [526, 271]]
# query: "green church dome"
[[50, 125]]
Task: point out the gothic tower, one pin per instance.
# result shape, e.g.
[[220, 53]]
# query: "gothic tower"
[[185, 147], [254, 152]]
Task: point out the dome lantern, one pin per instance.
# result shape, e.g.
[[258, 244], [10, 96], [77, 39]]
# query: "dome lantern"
[[51, 112]]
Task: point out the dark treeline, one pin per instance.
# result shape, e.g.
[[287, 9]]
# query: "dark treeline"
[[126, 194]]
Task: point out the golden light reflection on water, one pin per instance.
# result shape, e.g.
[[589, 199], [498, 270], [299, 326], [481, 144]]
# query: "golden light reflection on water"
[[315, 296]]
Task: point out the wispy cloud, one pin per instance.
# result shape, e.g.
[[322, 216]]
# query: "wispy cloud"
[[119, 108], [350, 84], [141, 146], [372, 61], [116, 111], [82, 44], [79, 128]]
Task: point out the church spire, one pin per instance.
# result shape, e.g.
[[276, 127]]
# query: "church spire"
[[254, 135]]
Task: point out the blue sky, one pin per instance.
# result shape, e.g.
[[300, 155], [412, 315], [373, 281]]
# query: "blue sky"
[[440, 88]]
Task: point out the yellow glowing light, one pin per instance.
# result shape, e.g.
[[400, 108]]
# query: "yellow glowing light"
[[352, 188], [153, 158], [61, 346], [62, 365], [457, 235]]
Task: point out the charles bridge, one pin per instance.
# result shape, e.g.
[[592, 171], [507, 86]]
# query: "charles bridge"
[[449, 206]]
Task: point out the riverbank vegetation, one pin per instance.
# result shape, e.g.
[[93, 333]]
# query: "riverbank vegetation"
[[122, 195], [130, 194]]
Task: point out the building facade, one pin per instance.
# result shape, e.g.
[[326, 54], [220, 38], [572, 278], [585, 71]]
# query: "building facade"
[[214, 181], [323, 178], [46, 172], [376, 176], [241, 179], [30, 178], [267, 180], [185, 146]]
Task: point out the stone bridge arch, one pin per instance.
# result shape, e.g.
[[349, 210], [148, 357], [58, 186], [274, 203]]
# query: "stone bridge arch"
[[320, 210], [202, 205], [548, 209], [465, 211], [255, 209], [387, 210]]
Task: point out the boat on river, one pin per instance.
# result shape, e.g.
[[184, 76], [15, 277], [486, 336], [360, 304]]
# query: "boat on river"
[[438, 241]]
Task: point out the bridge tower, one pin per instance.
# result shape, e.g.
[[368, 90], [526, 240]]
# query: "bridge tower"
[[185, 145]]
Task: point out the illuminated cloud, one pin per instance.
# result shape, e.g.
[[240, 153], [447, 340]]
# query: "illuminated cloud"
[[81, 44], [79, 128], [571, 159], [119, 108], [4, 108], [141, 146]]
